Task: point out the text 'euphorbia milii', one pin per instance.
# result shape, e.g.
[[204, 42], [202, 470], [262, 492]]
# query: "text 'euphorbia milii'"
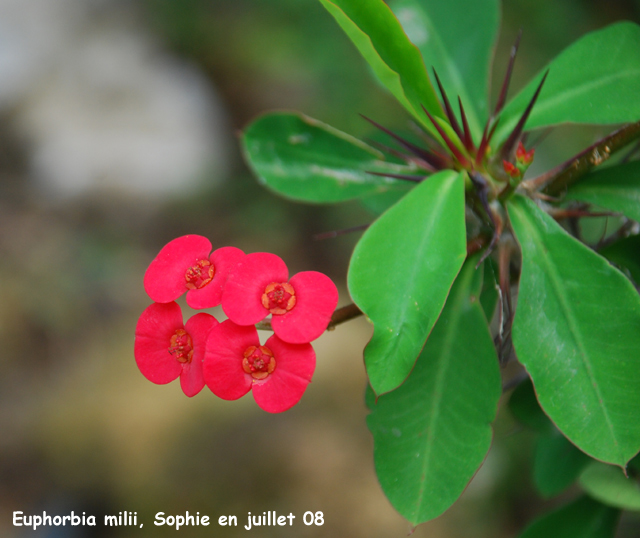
[[187, 264], [301, 308], [277, 372], [166, 349]]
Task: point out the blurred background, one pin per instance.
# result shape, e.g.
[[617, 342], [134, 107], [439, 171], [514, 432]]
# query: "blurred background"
[[118, 133]]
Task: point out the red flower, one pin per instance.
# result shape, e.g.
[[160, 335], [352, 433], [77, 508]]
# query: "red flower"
[[511, 169], [184, 265], [277, 372], [523, 156], [260, 285], [165, 348]]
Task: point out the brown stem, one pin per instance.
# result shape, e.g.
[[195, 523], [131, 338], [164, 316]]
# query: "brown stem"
[[340, 315], [558, 179], [351, 311]]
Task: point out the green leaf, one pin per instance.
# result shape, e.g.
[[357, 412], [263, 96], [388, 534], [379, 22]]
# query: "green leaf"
[[595, 80], [583, 518], [401, 272], [432, 433], [616, 188], [304, 159], [625, 254], [557, 464], [457, 38], [397, 63], [577, 332], [524, 406], [609, 485]]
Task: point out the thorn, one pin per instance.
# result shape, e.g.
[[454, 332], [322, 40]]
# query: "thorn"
[[452, 147], [404, 177], [336, 233], [507, 77], [421, 163], [434, 160], [467, 140], [484, 142], [447, 107], [510, 144]]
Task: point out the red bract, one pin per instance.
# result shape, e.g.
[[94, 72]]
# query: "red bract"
[[165, 348], [235, 363], [301, 308], [186, 265]]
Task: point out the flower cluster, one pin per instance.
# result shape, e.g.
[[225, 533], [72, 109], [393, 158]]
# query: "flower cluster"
[[523, 159], [228, 357]]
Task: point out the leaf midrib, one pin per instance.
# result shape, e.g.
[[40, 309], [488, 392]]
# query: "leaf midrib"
[[573, 326]]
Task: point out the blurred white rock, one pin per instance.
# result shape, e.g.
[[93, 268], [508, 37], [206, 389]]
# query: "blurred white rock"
[[102, 106]]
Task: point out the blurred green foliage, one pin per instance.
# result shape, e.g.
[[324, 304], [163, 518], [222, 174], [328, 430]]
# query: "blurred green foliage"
[[84, 431]]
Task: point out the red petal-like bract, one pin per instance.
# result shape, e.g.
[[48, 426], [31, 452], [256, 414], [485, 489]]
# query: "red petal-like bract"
[[316, 299], [164, 280], [224, 260], [157, 324], [295, 364], [224, 375], [242, 297], [222, 364], [191, 377]]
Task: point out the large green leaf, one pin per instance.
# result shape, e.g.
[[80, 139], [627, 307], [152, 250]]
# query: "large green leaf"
[[457, 38], [307, 160], [616, 188], [401, 272], [626, 255], [397, 63], [557, 464], [583, 518], [432, 433], [577, 332], [609, 485], [595, 80]]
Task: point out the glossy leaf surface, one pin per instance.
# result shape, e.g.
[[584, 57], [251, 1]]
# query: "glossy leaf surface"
[[594, 80], [307, 160], [609, 485], [397, 63], [432, 433], [616, 188], [577, 332], [583, 518], [401, 272], [459, 47], [557, 464]]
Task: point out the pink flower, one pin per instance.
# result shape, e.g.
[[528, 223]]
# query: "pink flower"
[[301, 308], [277, 372], [165, 348], [185, 265]]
